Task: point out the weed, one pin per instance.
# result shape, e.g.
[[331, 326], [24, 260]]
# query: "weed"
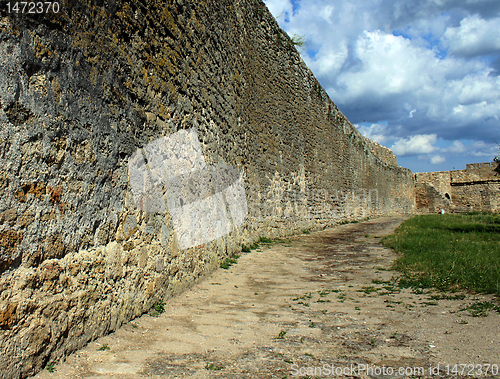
[[298, 40], [229, 261], [304, 304], [310, 355], [341, 297], [458, 296], [481, 309], [306, 296], [158, 308], [368, 290], [104, 347], [288, 361], [245, 249], [357, 308], [134, 326], [211, 366], [51, 367], [323, 301], [281, 335], [312, 325], [305, 231]]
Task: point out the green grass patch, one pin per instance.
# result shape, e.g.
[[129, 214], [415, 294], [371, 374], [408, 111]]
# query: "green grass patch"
[[211, 366], [481, 309], [228, 262], [448, 252], [158, 308], [281, 334]]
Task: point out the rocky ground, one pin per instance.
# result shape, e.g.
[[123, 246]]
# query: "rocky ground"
[[300, 308]]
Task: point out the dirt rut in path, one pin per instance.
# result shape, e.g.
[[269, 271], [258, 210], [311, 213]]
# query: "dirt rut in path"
[[319, 299]]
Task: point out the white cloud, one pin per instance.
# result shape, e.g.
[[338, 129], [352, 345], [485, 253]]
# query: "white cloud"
[[437, 159], [375, 132], [418, 144], [457, 147], [473, 36], [278, 7], [408, 68], [481, 149]]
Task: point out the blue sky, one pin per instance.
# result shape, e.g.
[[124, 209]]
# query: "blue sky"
[[421, 77]]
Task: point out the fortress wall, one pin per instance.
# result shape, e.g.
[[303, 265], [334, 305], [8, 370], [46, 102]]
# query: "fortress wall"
[[477, 188], [82, 90], [385, 154]]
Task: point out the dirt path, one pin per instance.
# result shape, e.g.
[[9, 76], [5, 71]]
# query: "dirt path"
[[308, 302]]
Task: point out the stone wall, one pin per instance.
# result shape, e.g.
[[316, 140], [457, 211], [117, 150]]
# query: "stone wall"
[[477, 188], [385, 154], [83, 89]]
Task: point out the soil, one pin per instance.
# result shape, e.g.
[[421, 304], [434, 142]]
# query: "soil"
[[298, 308]]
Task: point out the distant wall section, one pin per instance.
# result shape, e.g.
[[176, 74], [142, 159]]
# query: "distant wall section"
[[477, 188]]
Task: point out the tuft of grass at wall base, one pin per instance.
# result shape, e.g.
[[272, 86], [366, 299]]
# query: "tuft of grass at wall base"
[[449, 251]]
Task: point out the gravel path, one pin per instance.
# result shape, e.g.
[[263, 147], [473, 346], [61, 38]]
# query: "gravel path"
[[298, 309]]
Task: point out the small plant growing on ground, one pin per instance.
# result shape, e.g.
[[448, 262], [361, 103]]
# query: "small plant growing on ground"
[[281, 335], [104, 347], [158, 308], [229, 261], [211, 366], [51, 367], [245, 249], [481, 309]]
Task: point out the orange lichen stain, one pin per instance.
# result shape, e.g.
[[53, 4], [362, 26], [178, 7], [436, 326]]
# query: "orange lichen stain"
[[55, 194], [169, 23], [38, 189]]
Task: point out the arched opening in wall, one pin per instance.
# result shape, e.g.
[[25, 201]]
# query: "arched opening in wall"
[[447, 195]]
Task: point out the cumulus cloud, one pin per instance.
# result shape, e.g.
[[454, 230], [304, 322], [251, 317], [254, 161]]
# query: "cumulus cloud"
[[418, 144], [437, 159], [457, 147], [375, 132], [474, 36], [407, 68]]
